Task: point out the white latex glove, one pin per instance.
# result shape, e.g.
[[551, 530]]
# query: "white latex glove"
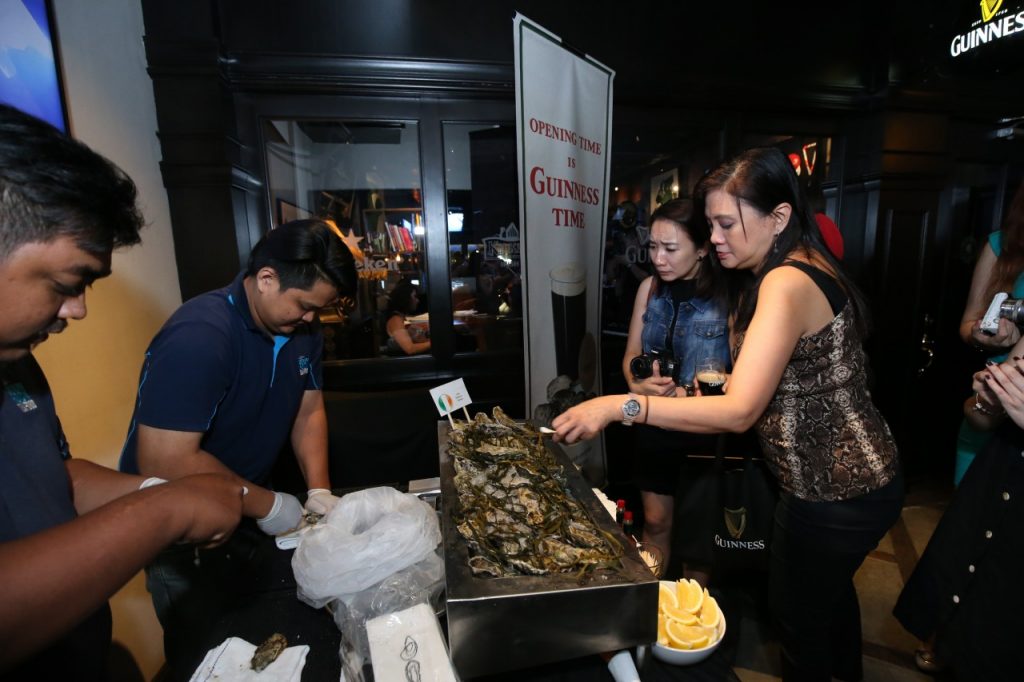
[[152, 480], [320, 501], [284, 515]]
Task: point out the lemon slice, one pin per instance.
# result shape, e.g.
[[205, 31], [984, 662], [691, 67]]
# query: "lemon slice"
[[690, 595], [666, 598], [682, 616], [686, 636], [662, 630], [710, 614]]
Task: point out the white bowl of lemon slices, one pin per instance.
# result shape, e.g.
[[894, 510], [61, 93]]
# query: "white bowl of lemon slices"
[[690, 624]]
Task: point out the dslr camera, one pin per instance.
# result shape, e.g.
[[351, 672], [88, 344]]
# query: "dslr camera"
[[642, 366]]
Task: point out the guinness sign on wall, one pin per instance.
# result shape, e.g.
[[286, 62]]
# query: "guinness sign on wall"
[[988, 34]]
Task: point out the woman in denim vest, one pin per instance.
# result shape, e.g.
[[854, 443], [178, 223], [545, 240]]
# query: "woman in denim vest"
[[677, 318]]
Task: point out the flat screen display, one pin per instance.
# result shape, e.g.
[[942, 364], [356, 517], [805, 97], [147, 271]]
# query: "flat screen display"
[[29, 72], [455, 219]]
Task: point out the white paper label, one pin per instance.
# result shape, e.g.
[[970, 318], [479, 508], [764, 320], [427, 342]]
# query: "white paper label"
[[450, 397]]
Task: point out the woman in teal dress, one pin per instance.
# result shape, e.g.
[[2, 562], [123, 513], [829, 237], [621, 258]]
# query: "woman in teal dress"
[[1000, 268]]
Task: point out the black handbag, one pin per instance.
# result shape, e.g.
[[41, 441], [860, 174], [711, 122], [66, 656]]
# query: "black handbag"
[[725, 513]]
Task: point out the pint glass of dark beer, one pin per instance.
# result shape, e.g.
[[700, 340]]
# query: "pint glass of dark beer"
[[710, 376], [569, 314]]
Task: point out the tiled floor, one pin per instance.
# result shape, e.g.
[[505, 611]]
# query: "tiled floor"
[[888, 648]]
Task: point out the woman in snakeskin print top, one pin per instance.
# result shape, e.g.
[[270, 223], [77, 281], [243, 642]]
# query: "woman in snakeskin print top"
[[798, 377]]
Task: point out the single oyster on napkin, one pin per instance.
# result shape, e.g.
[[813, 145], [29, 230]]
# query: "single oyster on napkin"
[[268, 652]]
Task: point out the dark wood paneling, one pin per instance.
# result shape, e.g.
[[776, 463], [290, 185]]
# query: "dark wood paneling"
[[262, 72], [904, 277], [645, 44], [492, 378], [206, 253]]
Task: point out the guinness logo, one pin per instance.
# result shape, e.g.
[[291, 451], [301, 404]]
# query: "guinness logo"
[[989, 8], [996, 24], [735, 521]]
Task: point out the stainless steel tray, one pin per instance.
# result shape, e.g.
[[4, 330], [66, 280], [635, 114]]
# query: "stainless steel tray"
[[501, 624]]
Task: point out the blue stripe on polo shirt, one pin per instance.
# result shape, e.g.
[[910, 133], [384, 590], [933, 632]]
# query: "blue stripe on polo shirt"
[[122, 460], [214, 413], [279, 342]]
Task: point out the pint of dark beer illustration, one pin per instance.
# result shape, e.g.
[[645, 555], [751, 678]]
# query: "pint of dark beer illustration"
[[569, 313]]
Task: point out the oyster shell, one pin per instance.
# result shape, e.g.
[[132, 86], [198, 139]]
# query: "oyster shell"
[[267, 652], [515, 511]]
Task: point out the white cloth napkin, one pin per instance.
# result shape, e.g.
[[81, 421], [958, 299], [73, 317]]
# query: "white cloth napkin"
[[230, 662], [407, 645]]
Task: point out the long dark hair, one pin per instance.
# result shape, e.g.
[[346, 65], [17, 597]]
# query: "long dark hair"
[[762, 178], [400, 299], [681, 213], [1010, 261]]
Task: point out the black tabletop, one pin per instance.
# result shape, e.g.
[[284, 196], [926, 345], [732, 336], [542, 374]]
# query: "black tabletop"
[[715, 668], [272, 606]]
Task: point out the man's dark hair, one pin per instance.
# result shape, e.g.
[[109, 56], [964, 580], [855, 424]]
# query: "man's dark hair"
[[54, 186], [303, 251]]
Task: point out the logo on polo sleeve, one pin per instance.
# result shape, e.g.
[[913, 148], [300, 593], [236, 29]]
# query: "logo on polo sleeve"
[[303, 365], [20, 397]]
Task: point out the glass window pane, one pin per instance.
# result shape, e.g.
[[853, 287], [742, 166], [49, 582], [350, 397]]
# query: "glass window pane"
[[811, 155], [365, 177], [483, 236]]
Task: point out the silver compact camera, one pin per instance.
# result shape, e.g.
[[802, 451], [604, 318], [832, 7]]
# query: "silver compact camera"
[[1013, 310], [1002, 306], [990, 321]]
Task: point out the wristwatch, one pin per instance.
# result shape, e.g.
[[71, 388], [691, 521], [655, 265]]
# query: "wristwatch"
[[630, 410]]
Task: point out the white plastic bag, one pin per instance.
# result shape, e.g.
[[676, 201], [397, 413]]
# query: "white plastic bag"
[[368, 536], [421, 583], [375, 553]]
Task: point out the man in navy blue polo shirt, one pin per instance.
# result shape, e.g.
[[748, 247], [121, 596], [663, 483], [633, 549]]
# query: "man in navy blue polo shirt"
[[233, 376], [71, 532]]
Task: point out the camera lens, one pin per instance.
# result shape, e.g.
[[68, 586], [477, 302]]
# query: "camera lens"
[[641, 366], [1013, 310]]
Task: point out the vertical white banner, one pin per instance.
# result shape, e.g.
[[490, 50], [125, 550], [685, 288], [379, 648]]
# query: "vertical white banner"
[[563, 126]]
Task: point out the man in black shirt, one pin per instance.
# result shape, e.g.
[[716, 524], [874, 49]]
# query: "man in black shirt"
[[71, 532]]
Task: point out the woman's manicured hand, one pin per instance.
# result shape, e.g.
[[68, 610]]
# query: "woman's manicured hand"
[[587, 419]]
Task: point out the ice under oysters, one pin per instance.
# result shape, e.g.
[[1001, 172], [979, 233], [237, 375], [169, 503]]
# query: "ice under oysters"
[[515, 511]]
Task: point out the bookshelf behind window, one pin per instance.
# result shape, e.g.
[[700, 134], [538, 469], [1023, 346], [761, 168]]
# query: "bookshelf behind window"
[[393, 230]]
